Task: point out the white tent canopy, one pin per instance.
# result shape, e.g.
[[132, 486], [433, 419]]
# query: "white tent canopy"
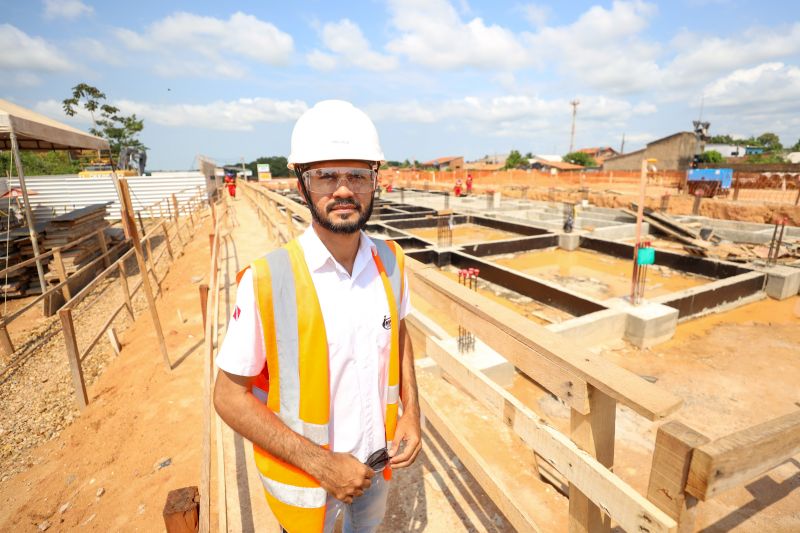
[[38, 132]]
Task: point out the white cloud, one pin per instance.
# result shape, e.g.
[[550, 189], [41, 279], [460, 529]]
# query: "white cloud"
[[55, 110], [345, 39], [235, 115], [320, 60], [511, 113], [29, 54], [193, 44], [432, 34], [602, 47], [99, 51], [767, 86], [536, 14], [65, 9]]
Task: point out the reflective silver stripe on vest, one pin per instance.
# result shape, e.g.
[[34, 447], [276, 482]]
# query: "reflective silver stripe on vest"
[[393, 393], [316, 433], [261, 394], [307, 498], [390, 266], [284, 305]]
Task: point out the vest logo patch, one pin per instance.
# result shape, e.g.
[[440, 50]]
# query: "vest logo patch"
[[387, 322], [236, 313]]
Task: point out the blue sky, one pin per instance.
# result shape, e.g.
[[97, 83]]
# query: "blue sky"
[[439, 77]]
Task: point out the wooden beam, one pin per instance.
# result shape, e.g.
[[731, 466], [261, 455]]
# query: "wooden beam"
[[73, 356], [740, 457], [594, 434], [181, 510], [630, 509], [675, 444], [540, 353]]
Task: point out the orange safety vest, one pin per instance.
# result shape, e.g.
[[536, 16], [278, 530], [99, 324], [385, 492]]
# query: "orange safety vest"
[[295, 382]]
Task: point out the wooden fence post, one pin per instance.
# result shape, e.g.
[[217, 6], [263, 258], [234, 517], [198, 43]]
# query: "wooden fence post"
[[127, 212], [6, 346], [175, 212], [166, 240], [204, 302], [123, 281], [101, 238], [675, 443], [74, 357], [61, 272], [593, 433]]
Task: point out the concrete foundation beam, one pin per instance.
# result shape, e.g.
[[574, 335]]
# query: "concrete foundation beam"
[[595, 328], [647, 324], [782, 282]]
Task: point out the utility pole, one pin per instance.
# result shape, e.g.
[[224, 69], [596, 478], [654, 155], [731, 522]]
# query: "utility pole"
[[622, 146], [574, 105]]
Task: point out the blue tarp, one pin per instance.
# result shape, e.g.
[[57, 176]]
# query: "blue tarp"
[[724, 175]]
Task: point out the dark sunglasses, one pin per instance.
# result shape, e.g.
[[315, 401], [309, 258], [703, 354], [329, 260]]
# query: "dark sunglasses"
[[378, 460]]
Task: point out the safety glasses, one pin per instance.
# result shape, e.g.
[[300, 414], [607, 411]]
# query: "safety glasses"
[[378, 460], [327, 180]]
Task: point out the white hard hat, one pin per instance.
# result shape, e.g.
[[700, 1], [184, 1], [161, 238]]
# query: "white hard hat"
[[334, 130]]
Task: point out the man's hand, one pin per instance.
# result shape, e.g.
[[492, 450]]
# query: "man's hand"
[[407, 431], [344, 477]]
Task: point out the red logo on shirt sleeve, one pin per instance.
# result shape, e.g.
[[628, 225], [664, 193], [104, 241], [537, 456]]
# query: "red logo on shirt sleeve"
[[236, 313]]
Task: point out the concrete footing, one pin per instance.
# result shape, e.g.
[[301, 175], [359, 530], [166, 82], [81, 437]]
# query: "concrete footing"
[[647, 324], [569, 241], [782, 282]]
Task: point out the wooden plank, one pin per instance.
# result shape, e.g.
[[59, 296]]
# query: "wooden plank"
[[101, 331], [503, 495], [114, 340], [740, 457], [594, 434], [58, 264], [73, 356], [181, 510], [166, 239], [528, 345], [6, 346], [101, 239], [675, 444], [626, 506]]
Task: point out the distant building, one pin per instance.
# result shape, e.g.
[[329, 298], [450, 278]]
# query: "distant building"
[[546, 157], [674, 152], [793, 157], [753, 150], [553, 166], [600, 153], [452, 163], [726, 150]]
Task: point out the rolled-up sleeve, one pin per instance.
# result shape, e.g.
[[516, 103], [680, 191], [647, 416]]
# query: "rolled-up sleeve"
[[242, 350]]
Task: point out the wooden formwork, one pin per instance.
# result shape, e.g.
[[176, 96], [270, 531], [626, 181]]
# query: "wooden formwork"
[[686, 467]]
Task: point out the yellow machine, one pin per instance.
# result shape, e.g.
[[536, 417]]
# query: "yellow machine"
[[99, 168]]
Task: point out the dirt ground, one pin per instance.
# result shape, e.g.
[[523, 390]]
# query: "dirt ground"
[[110, 467]]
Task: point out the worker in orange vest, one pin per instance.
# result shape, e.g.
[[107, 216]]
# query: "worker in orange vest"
[[317, 358]]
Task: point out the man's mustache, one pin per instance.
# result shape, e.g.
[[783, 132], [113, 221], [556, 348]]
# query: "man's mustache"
[[343, 203]]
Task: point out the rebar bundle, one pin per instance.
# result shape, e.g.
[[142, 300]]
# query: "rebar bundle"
[[444, 231], [639, 276]]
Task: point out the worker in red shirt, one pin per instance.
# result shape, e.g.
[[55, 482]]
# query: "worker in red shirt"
[[469, 184], [457, 189]]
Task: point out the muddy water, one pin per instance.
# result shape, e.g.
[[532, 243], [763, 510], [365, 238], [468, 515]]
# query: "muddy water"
[[465, 233], [525, 306], [594, 274]]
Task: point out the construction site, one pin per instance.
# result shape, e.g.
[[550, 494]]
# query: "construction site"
[[594, 351]]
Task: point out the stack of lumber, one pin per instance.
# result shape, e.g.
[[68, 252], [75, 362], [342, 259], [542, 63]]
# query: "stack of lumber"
[[70, 227], [16, 247]]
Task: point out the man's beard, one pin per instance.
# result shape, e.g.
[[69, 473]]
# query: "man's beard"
[[343, 227]]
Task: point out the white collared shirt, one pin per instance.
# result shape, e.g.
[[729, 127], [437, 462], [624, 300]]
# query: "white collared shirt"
[[354, 308]]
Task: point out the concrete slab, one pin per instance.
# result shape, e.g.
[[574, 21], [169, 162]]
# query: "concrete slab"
[[782, 281], [491, 363]]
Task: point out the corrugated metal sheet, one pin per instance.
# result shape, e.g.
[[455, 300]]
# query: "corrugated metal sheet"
[[56, 195]]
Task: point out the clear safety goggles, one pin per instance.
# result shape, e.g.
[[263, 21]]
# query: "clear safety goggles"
[[327, 180]]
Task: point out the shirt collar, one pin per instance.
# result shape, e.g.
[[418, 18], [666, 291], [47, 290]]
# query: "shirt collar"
[[318, 256]]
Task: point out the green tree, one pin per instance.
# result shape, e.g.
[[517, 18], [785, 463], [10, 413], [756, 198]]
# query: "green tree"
[[515, 160], [277, 166], [118, 129], [796, 147], [39, 163], [580, 158], [711, 156], [770, 141], [764, 158]]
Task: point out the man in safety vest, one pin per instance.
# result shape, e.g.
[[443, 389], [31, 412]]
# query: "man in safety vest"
[[317, 360]]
